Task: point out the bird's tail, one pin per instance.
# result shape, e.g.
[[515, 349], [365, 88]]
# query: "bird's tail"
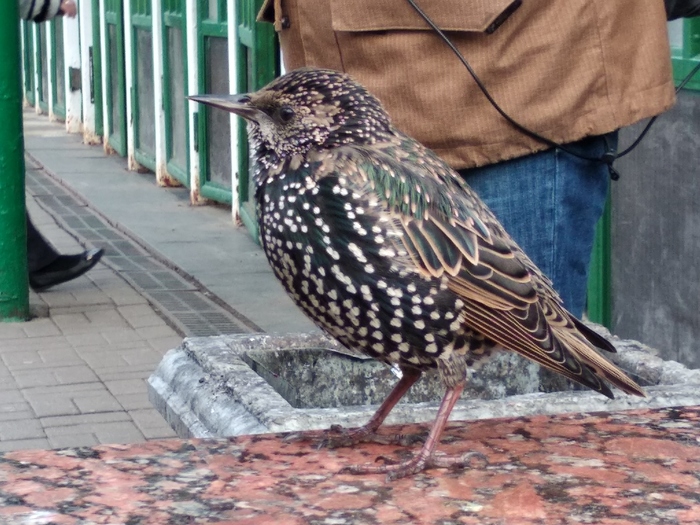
[[583, 351]]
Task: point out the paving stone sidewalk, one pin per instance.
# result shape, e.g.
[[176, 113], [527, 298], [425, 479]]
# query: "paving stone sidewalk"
[[75, 375]]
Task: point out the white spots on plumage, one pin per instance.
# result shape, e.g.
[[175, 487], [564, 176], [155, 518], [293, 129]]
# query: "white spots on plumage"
[[428, 300], [419, 323], [449, 316], [398, 313], [430, 338], [381, 284], [435, 315], [333, 253], [395, 322], [359, 228], [432, 348], [459, 304], [397, 338], [411, 287], [378, 347], [375, 323], [369, 268], [357, 252], [416, 310], [404, 347], [378, 335]]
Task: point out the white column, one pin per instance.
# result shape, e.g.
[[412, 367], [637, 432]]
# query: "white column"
[[88, 50], [48, 49], [71, 52], [192, 89], [233, 81], [162, 177], [129, 83]]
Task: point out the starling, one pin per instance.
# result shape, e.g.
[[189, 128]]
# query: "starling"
[[389, 251]]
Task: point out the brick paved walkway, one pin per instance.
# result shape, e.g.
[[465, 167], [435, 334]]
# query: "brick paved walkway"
[[75, 375]]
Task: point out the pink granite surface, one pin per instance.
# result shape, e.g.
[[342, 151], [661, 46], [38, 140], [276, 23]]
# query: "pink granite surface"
[[636, 467]]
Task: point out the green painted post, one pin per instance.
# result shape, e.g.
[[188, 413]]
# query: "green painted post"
[[14, 293]]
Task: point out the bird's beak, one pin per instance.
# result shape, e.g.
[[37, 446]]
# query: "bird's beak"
[[238, 104]]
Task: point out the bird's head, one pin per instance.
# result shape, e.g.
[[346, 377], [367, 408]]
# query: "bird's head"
[[307, 108]]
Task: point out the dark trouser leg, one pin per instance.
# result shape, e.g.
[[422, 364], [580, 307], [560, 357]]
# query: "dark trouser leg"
[[39, 252]]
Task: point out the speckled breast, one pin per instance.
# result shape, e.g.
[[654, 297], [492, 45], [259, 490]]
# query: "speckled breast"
[[342, 261]]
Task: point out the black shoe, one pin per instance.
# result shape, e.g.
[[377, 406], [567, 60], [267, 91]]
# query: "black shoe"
[[65, 268]]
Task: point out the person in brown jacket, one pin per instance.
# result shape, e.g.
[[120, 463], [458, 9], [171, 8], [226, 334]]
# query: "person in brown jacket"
[[573, 71]]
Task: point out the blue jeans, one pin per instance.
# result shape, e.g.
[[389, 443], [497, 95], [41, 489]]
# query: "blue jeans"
[[550, 203]]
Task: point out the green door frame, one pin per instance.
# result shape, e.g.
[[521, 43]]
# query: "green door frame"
[[687, 57], [114, 17], [174, 16], [140, 19], [95, 61], [59, 103], [600, 296], [212, 23], [257, 63], [28, 61], [41, 50]]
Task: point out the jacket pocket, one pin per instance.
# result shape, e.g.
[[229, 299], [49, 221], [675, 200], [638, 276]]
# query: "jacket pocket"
[[448, 15]]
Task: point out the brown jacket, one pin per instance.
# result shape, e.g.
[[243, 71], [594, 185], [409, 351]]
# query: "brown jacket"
[[564, 68]]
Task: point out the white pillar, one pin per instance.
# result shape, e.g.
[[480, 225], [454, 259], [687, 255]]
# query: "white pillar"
[[233, 81], [129, 83], [71, 53], [88, 50], [193, 89], [48, 49], [162, 177]]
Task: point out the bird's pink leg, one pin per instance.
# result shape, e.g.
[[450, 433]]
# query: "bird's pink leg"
[[425, 458], [367, 432]]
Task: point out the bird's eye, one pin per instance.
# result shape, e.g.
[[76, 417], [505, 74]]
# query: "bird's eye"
[[286, 113]]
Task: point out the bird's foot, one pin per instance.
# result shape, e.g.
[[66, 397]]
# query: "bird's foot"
[[397, 470], [337, 437]]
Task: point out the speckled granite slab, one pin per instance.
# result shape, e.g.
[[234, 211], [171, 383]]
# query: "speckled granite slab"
[[621, 468]]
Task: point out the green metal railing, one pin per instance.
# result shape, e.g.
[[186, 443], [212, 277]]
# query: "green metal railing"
[[14, 291]]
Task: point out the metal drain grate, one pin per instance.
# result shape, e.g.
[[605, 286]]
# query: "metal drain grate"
[[180, 300]]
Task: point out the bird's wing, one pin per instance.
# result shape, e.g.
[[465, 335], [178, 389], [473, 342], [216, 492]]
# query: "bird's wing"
[[449, 233]]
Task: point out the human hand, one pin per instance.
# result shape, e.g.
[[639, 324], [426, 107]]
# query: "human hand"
[[68, 8]]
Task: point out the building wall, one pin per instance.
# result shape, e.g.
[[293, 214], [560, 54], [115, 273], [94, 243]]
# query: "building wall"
[[656, 235]]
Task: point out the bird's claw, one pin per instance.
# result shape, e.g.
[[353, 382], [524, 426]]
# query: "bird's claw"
[[397, 470]]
